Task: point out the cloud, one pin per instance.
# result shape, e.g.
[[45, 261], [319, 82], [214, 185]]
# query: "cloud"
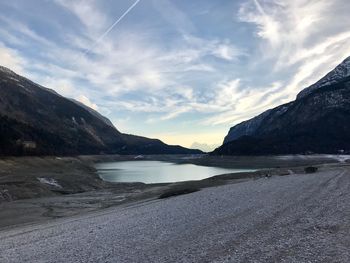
[[228, 102], [204, 140], [24, 30], [86, 101], [220, 48], [226, 52], [239, 102], [292, 28], [128, 62], [11, 59], [166, 63], [100, 38], [87, 13], [174, 16], [299, 39], [285, 23]]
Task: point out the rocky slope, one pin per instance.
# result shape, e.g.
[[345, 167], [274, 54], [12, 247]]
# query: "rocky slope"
[[338, 74], [317, 121], [35, 120]]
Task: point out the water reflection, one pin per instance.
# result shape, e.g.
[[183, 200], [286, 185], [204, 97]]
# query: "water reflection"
[[158, 172]]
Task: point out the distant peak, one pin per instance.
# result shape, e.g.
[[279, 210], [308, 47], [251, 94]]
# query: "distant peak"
[[6, 70]]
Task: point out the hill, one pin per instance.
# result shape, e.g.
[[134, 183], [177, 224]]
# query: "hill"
[[35, 120]]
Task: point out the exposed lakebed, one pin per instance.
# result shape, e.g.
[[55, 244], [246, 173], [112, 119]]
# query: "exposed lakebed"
[[151, 172]]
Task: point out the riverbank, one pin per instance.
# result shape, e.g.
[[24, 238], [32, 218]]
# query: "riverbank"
[[292, 218], [37, 189]]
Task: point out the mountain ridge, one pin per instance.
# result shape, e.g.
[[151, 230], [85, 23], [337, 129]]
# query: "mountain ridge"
[[35, 120], [326, 101]]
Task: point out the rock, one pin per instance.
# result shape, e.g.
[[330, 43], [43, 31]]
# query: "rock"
[[310, 169]]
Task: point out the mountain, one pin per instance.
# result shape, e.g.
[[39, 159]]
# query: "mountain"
[[204, 146], [38, 121], [318, 121]]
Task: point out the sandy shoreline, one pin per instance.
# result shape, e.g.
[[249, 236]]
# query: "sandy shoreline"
[[38, 189]]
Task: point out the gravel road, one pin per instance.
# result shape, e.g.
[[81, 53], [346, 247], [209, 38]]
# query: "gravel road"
[[294, 218]]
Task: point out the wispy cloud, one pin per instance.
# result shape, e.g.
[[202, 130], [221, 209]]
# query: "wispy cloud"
[[87, 13], [300, 38], [11, 59], [100, 38], [172, 66], [177, 18]]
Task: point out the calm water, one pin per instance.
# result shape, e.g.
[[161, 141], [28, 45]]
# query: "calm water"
[[157, 172]]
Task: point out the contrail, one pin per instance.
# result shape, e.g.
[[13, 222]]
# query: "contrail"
[[111, 27]]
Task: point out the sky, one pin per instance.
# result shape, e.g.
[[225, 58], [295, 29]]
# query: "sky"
[[178, 70]]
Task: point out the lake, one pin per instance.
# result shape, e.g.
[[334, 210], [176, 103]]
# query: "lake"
[[151, 172]]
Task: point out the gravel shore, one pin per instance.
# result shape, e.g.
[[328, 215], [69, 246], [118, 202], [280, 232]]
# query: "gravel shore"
[[291, 218], [38, 189]]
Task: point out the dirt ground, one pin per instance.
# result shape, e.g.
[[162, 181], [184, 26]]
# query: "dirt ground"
[[37, 189]]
